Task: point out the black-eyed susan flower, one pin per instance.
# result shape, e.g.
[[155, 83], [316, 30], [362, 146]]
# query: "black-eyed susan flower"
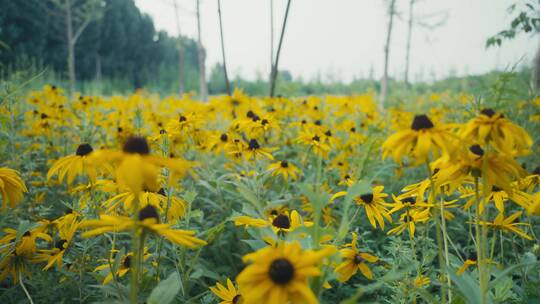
[[25, 244], [507, 224], [374, 205], [148, 221], [12, 187], [420, 141], [499, 169], [280, 223], [74, 165], [229, 294], [353, 261], [493, 128], [409, 220], [66, 231], [471, 260], [534, 208], [316, 141], [136, 168], [124, 202], [285, 169], [280, 274], [123, 267]]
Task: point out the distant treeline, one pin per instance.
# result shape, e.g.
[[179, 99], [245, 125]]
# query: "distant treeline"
[[121, 44]]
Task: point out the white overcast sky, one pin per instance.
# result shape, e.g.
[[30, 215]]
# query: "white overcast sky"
[[343, 39]]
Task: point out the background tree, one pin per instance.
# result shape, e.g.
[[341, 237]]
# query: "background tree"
[[526, 21], [274, 74], [201, 55], [384, 81], [76, 15]]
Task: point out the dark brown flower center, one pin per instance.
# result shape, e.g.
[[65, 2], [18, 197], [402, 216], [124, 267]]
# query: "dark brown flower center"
[[148, 212], [182, 118], [488, 112], [251, 114], [281, 271], [421, 122], [328, 133], [408, 218], [127, 262], [357, 259], [224, 137], [316, 138], [254, 144], [137, 145], [84, 149], [477, 150], [472, 256], [237, 299], [264, 122], [367, 198], [60, 244], [495, 189], [409, 200], [282, 221], [284, 164]]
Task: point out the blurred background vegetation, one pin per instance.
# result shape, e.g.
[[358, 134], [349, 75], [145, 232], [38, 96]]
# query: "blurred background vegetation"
[[117, 49]]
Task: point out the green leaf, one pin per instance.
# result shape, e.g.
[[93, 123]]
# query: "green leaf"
[[468, 287], [166, 290]]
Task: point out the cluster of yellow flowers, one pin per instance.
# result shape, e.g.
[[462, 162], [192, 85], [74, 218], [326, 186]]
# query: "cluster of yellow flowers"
[[125, 159]]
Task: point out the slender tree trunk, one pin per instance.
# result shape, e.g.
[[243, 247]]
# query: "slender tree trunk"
[[271, 36], [227, 85], [203, 87], [275, 67], [98, 68], [70, 46], [535, 72], [384, 82], [409, 37], [180, 49]]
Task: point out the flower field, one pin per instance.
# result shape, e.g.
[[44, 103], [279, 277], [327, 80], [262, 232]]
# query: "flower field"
[[142, 199]]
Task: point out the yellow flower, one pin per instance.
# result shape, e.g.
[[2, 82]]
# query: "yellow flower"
[[12, 187], [175, 207], [373, 204], [251, 150], [500, 169], [354, 260], [123, 267], [418, 142], [409, 220], [228, 294], [66, 230], [507, 224], [534, 208], [280, 274], [471, 260], [315, 141], [148, 220], [499, 131], [280, 223], [285, 169], [136, 168], [73, 165]]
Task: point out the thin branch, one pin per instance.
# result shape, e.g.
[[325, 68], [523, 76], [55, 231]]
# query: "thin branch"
[[275, 68], [24, 288], [227, 85], [80, 30]]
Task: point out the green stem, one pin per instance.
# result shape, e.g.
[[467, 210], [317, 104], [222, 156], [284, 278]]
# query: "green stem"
[[24, 288], [479, 244], [135, 244], [438, 232]]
